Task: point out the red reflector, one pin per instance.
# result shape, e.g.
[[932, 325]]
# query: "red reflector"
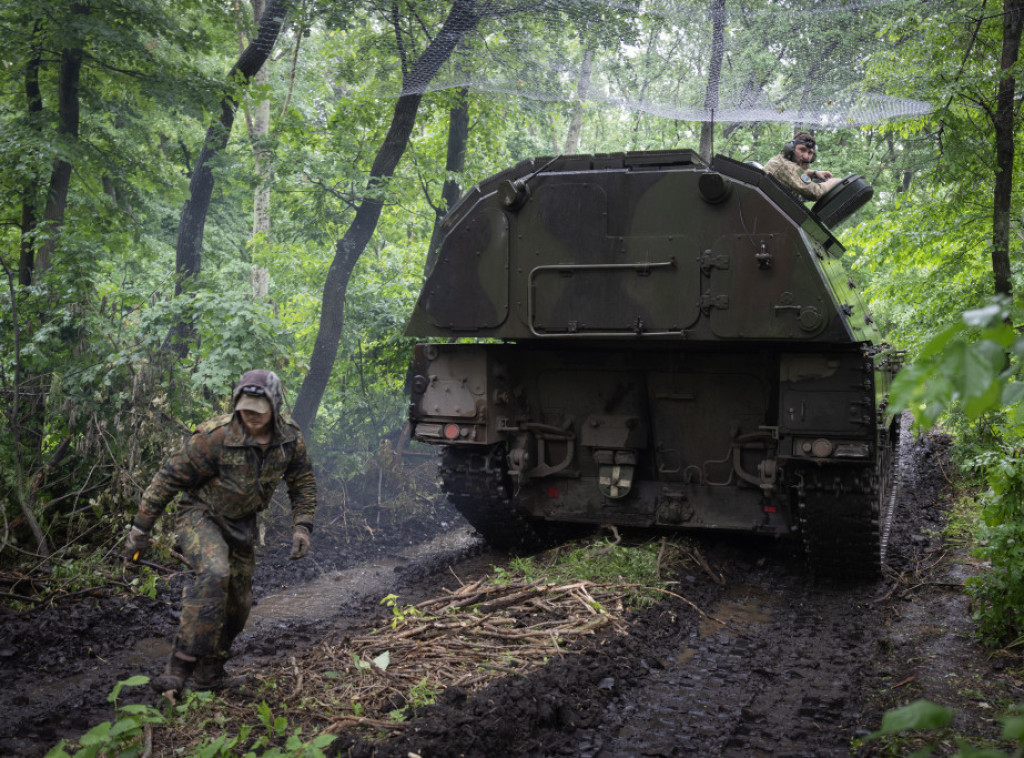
[[553, 493], [770, 509], [451, 431]]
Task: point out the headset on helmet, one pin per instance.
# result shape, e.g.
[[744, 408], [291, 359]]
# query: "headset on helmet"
[[800, 138]]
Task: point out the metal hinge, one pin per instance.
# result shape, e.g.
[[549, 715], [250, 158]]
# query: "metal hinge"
[[710, 300], [709, 260]]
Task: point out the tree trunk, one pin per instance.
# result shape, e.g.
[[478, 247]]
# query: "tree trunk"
[[33, 420], [261, 156], [262, 164], [572, 141], [462, 18], [1013, 20], [192, 225], [263, 168], [707, 128], [21, 491], [455, 162], [34, 102], [67, 128]]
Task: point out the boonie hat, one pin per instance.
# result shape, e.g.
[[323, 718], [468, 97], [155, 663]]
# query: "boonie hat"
[[258, 403]]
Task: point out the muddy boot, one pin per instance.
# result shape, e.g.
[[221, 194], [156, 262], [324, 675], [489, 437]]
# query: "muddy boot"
[[210, 675], [178, 669]]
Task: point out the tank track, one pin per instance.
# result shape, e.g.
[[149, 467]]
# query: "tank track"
[[845, 516], [479, 487]]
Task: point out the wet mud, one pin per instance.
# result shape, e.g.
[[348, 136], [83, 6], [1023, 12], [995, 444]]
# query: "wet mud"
[[750, 658]]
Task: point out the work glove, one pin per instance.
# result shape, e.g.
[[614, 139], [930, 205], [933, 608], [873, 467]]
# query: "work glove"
[[300, 542], [136, 544]]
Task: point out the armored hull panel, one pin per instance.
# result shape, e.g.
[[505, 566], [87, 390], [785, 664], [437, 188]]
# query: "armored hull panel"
[[673, 344]]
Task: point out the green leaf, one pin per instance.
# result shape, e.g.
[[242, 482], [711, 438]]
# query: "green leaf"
[[985, 316], [134, 681], [98, 735], [1013, 728], [383, 660], [1013, 393], [921, 714], [969, 751], [263, 711], [57, 751], [323, 741], [939, 342], [124, 726], [988, 400]]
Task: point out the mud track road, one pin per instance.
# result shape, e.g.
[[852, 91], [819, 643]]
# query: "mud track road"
[[773, 664]]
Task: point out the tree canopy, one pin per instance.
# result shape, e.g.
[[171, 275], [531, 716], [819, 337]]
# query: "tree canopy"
[[193, 189]]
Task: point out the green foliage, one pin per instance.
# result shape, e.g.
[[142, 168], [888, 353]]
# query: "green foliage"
[[603, 562], [124, 736], [925, 722], [275, 726], [399, 612], [129, 733], [420, 695], [974, 364], [920, 714], [76, 574], [998, 593], [235, 334]]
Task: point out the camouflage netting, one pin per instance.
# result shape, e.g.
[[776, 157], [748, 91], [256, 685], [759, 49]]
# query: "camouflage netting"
[[802, 61]]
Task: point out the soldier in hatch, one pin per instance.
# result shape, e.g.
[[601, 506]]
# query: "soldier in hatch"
[[227, 472], [792, 168]]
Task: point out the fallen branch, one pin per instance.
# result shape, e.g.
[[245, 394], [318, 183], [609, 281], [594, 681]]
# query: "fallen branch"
[[465, 638]]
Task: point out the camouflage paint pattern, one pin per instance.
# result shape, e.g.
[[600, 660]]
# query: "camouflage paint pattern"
[[673, 343]]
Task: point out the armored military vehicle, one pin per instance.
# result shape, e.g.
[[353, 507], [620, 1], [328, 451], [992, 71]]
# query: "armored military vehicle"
[[656, 342]]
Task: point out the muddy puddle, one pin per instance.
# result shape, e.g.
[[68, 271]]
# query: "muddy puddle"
[[744, 608]]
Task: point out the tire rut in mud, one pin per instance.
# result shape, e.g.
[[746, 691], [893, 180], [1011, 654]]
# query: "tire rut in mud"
[[781, 676], [777, 665]]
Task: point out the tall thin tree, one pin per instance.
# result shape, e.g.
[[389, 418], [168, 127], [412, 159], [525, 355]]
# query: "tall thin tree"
[[1003, 121], [462, 18], [192, 224]]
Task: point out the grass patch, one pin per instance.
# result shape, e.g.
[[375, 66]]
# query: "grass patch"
[[637, 569]]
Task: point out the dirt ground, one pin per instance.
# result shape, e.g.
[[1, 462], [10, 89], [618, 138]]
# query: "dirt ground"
[[748, 657]]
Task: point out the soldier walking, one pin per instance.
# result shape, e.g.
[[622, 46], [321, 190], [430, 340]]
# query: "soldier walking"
[[226, 472]]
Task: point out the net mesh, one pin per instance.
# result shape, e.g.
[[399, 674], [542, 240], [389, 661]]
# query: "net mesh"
[[798, 61]]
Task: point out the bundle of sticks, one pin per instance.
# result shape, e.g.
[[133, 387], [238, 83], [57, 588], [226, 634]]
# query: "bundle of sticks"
[[464, 638]]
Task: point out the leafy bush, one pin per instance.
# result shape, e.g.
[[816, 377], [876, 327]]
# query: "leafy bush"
[[998, 593], [970, 373], [973, 366]]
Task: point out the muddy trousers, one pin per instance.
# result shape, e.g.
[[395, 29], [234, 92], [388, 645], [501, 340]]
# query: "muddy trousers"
[[215, 608]]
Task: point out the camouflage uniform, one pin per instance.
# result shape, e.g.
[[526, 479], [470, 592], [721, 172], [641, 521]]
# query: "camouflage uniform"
[[225, 478], [794, 178]]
